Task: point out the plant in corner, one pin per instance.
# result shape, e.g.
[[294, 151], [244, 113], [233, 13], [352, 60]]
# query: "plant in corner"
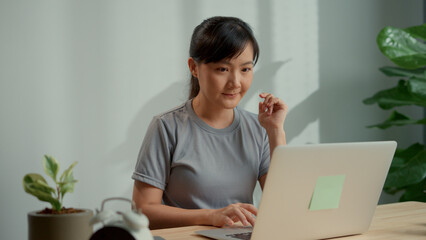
[[57, 222], [406, 48]]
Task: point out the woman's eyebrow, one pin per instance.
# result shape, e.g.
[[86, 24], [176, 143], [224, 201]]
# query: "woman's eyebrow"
[[229, 63], [246, 63]]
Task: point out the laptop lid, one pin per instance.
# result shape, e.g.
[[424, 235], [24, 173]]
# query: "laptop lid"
[[318, 191], [322, 190]]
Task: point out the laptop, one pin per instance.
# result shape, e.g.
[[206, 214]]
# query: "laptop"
[[318, 191]]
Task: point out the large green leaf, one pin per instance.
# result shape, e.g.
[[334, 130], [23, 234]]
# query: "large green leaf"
[[409, 152], [397, 163], [402, 156], [397, 119], [401, 72], [415, 192], [417, 31], [402, 48], [36, 185], [51, 166], [394, 97], [414, 171]]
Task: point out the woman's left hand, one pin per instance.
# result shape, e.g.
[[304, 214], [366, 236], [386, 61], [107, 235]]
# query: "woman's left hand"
[[272, 112]]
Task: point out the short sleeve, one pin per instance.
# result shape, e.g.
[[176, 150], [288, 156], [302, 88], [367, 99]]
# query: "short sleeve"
[[153, 164], [265, 157]]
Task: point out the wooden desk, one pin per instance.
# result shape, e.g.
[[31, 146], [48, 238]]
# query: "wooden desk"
[[399, 221]]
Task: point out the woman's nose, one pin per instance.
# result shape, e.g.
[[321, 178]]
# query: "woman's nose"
[[234, 80]]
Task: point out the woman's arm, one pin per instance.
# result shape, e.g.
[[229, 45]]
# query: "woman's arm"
[[148, 198], [272, 113]]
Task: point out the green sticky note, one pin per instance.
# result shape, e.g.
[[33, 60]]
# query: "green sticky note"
[[327, 192]]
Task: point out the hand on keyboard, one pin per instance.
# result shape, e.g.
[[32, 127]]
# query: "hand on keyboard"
[[238, 212]]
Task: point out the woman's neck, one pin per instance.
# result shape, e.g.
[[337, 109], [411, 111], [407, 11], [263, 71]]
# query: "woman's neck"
[[215, 116]]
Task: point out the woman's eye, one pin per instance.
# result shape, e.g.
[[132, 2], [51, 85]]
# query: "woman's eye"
[[221, 69], [246, 69]]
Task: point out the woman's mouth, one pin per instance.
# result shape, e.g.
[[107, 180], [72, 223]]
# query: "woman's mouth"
[[230, 95]]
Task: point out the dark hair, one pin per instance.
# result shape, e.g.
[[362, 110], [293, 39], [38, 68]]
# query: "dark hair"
[[219, 38]]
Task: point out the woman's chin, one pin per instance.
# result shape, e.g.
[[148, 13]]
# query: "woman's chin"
[[231, 104]]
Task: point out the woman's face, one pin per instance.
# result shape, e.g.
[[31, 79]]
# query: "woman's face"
[[225, 83]]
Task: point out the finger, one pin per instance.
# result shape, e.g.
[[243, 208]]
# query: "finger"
[[268, 102], [261, 107], [265, 103], [238, 212], [266, 96], [263, 95], [228, 221], [270, 98], [274, 100], [275, 104], [278, 104], [249, 207], [249, 216], [264, 107], [271, 101], [271, 108]]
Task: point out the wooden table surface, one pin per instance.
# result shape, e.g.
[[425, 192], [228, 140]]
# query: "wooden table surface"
[[400, 221]]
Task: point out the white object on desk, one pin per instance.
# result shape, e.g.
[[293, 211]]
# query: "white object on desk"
[[133, 222]]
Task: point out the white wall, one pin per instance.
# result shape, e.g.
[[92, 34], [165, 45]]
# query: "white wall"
[[81, 80]]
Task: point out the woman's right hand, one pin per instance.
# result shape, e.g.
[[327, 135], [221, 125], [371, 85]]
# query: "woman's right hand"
[[238, 212]]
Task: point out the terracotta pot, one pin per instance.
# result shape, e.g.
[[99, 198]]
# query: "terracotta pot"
[[70, 226]]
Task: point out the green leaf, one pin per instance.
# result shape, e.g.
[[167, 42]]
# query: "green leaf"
[[67, 185], [414, 171], [394, 97], [36, 185], [67, 180], [51, 166], [397, 119], [402, 48], [417, 88], [417, 31], [68, 171], [415, 192], [401, 72], [397, 163], [402, 156], [43, 186], [36, 181], [409, 152]]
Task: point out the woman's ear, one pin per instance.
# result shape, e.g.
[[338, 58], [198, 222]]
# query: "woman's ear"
[[193, 67]]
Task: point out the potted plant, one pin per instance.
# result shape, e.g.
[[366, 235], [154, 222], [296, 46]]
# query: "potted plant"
[[406, 48], [57, 222]]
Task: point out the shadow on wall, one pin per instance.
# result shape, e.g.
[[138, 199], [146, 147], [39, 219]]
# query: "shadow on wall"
[[125, 155]]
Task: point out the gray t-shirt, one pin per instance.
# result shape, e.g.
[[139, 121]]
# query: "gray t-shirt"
[[198, 166]]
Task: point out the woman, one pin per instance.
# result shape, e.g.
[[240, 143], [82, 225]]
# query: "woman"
[[202, 159]]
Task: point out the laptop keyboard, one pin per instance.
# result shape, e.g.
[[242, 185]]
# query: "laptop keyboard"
[[244, 236]]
